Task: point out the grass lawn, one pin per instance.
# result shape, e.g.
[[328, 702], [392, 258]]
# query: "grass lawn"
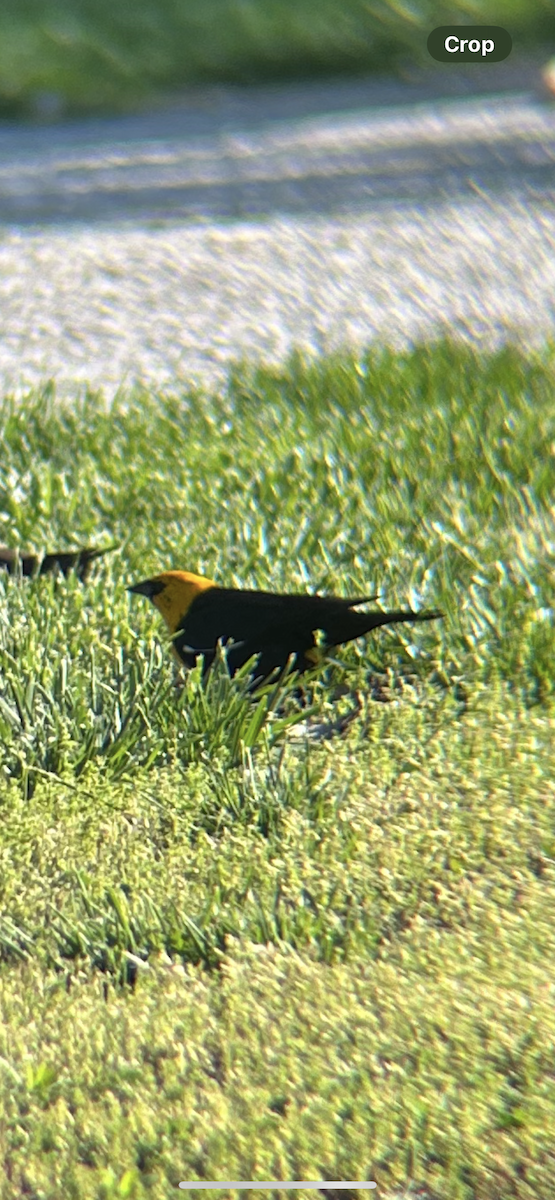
[[231, 951], [70, 56]]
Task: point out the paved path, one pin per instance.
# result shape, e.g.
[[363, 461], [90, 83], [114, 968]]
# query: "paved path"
[[163, 247]]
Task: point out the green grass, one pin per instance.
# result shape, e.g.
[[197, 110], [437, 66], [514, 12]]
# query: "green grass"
[[86, 55], [228, 950]]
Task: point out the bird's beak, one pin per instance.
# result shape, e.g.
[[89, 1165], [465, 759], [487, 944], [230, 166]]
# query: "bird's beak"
[[148, 587]]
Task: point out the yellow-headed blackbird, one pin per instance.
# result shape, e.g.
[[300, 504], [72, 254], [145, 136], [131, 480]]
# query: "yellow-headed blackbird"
[[65, 561], [274, 626]]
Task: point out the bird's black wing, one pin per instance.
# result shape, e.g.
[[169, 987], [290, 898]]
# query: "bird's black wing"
[[79, 561], [233, 614], [274, 625]]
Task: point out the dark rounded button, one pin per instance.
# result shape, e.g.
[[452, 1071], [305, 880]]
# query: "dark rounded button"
[[470, 43]]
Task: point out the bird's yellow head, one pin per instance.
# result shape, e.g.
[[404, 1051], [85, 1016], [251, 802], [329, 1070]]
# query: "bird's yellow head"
[[172, 593]]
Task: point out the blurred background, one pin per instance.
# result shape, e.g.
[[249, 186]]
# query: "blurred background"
[[185, 184], [72, 57]]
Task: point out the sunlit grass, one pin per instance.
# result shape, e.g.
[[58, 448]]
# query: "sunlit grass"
[[230, 948]]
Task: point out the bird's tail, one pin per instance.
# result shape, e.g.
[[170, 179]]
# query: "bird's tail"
[[375, 619], [355, 624]]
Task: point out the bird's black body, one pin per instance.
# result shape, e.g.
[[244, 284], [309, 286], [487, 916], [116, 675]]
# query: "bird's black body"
[[274, 626], [31, 564]]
